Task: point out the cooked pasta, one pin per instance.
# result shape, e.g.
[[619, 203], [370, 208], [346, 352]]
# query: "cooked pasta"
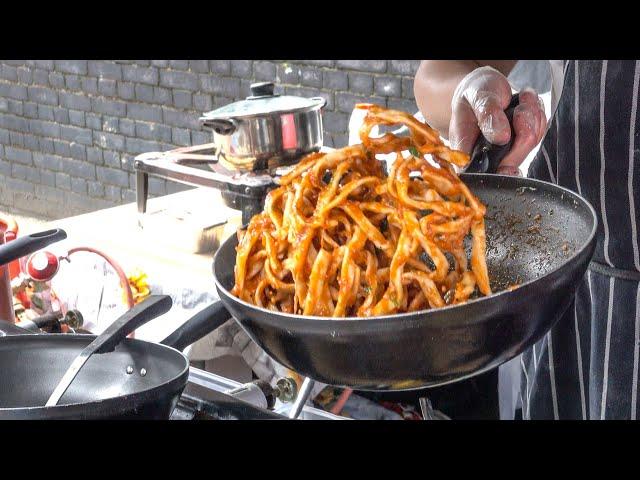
[[339, 237]]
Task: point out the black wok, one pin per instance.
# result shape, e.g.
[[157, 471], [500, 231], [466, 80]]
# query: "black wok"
[[539, 235], [137, 379], [110, 385]]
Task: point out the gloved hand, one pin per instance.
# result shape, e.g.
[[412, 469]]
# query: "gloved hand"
[[478, 106]]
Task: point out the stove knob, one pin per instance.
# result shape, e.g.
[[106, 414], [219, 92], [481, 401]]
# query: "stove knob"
[[73, 319], [42, 266], [286, 390]]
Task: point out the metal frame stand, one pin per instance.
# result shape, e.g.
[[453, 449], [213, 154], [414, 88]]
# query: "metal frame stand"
[[241, 191]]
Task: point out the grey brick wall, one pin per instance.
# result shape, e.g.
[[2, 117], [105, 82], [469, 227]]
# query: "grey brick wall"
[[69, 129]]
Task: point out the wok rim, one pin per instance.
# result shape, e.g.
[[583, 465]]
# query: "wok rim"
[[97, 408], [431, 314]]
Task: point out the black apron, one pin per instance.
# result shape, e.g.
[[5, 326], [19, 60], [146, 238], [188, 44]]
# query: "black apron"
[[587, 366]]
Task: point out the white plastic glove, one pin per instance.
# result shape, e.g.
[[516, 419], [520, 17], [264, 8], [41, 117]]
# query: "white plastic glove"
[[478, 106]]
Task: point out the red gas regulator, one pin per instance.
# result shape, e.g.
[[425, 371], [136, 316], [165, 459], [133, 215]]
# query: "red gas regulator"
[[42, 266]]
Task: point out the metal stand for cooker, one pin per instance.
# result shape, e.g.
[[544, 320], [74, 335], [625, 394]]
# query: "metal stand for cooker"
[[241, 191]]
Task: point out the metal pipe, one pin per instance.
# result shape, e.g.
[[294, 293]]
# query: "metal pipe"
[[7, 312], [301, 399], [251, 393]]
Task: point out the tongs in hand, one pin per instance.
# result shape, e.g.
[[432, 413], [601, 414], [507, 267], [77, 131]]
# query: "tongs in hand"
[[485, 156]]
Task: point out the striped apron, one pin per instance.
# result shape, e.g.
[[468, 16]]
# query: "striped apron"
[[586, 367]]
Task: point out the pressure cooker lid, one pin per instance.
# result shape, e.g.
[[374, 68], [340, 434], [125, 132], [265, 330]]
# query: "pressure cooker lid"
[[263, 102]]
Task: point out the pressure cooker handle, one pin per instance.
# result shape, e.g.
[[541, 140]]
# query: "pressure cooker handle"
[[321, 100], [28, 244], [222, 126], [262, 89], [486, 157]]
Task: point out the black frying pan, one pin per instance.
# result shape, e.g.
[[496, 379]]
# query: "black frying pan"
[[539, 235], [110, 385], [32, 365]]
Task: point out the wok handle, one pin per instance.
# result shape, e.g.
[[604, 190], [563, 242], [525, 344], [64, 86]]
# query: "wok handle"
[[486, 157], [49, 321], [28, 244], [198, 326]]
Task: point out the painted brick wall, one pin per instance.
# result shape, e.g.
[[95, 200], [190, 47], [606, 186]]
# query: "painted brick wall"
[[69, 129]]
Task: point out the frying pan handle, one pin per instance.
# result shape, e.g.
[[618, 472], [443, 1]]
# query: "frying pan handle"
[[198, 326], [486, 157], [28, 244], [152, 307]]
